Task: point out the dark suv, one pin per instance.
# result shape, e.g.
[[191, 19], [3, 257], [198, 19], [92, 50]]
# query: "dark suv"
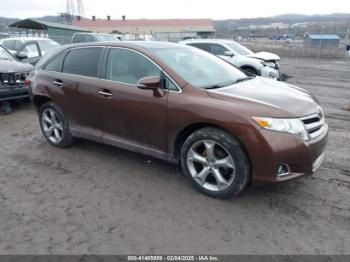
[[180, 104], [12, 77]]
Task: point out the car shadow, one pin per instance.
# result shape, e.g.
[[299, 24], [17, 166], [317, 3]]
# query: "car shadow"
[[163, 169]]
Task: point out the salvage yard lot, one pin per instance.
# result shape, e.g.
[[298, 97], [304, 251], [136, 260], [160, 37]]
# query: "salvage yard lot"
[[93, 198]]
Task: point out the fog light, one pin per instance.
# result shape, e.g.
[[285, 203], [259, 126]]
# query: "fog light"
[[282, 170]]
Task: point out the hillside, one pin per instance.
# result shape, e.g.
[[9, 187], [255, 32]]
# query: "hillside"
[[286, 19]]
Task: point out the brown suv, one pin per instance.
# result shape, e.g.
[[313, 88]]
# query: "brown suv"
[[180, 104]]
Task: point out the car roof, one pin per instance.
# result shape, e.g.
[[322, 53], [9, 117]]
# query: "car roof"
[[140, 44], [137, 45], [154, 44]]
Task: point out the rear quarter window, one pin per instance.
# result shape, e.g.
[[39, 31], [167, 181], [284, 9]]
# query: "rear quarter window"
[[56, 63], [83, 61]]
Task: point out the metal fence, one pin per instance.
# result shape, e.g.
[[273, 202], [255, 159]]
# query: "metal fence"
[[296, 48]]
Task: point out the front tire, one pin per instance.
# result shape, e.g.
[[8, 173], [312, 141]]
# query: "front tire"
[[54, 125], [251, 70], [215, 162]]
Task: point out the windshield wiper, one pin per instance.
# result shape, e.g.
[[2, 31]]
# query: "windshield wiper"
[[232, 83], [213, 87]]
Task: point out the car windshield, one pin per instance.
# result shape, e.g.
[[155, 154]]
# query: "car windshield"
[[200, 68], [105, 38], [239, 49], [46, 45], [4, 55]]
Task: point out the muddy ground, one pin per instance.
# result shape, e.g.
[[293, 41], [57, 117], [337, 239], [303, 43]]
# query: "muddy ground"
[[93, 198]]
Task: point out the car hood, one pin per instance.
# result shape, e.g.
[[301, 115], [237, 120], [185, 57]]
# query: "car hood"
[[269, 97], [266, 56], [10, 66]]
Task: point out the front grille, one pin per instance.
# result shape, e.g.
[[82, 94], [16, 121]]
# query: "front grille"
[[314, 124], [13, 78]]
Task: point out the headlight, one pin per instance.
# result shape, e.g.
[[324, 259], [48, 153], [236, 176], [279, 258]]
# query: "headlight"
[[269, 64], [286, 125]]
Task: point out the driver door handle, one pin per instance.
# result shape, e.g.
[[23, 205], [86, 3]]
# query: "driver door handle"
[[58, 83], [105, 93]]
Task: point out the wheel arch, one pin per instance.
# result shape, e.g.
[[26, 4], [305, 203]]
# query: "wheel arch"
[[190, 129], [245, 67], [38, 101]]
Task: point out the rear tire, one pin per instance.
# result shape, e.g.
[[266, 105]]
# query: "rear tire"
[[215, 163], [54, 125]]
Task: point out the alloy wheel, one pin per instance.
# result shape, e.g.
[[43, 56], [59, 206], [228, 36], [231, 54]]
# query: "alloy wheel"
[[52, 125], [211, 165]]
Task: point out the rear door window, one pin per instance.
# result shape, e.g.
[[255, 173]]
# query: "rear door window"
[[56, 63], [83, 61]]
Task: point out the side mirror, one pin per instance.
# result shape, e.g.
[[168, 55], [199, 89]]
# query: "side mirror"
[[22, 55], [151, 83], [228, 53]]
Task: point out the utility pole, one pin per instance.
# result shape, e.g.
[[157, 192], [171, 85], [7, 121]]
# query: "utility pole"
[[72, 10], [320, 44], [80, 8]]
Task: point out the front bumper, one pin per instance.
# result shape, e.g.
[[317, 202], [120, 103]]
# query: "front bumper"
[[301, 157], [11, 92], [269, 72]]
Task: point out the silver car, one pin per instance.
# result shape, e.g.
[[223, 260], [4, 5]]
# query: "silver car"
[[28, 49], [262, 64]]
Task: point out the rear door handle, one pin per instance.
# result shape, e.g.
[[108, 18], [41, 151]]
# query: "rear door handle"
[[58, 83], [105, 93]]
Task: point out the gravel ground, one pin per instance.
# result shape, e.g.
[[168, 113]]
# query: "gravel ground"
[[93, 198]]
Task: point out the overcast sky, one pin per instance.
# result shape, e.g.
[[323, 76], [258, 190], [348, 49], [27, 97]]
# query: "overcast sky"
[[216, 9]]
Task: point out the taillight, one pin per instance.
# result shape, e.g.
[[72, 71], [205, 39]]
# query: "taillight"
[[27, 82]]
